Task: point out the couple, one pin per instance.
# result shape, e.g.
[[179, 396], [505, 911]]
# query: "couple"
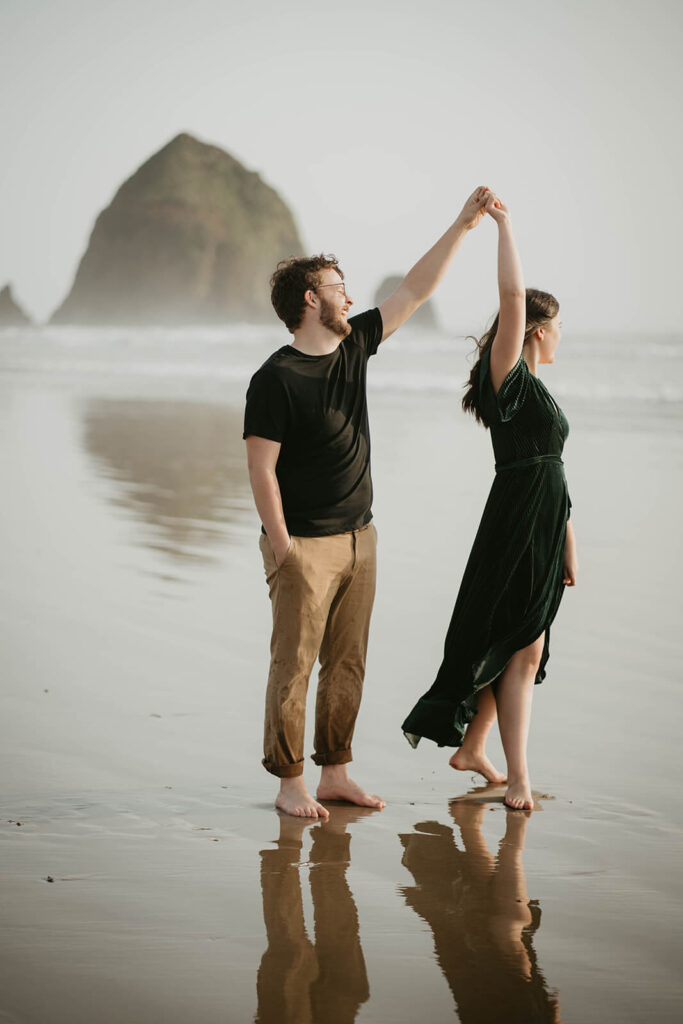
[[308, 450]]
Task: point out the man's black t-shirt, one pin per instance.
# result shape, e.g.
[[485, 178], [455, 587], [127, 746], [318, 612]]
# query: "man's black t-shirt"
[[316, 407]]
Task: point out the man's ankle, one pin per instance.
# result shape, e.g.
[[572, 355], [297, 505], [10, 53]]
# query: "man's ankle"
[[292, 782]]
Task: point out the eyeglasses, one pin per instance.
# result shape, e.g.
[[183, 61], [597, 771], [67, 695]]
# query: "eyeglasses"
[[339, 285]]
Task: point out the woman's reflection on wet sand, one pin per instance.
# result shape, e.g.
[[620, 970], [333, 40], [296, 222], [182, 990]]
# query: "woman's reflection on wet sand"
[[481, 917], [300, 982], [180, 468]]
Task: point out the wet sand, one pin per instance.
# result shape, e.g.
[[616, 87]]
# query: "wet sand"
[[134, 633]]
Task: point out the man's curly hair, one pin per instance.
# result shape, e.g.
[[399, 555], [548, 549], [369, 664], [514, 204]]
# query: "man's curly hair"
[[292, 279]]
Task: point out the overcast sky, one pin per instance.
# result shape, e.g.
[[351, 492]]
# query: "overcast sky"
[[374, 124]]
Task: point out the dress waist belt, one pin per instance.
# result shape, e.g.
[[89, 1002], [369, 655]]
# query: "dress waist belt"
[[523, 463]]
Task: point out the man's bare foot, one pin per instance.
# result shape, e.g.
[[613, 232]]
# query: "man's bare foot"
[[518, 796], [295, 799], [466, 761], [335, 784]]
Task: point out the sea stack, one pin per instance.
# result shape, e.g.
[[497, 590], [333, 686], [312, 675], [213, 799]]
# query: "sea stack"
[[424, 316], [191, 238], [11, 313]]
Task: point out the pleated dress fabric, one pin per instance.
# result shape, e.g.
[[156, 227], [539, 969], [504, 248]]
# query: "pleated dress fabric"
[[513, 581]]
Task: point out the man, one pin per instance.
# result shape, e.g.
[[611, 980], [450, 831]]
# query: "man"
[[308, 449]]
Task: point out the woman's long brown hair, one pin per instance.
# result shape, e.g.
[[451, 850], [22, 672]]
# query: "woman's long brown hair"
[[541, 307]]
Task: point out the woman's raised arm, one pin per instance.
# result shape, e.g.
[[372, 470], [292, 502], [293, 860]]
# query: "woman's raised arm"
[[507, 345]]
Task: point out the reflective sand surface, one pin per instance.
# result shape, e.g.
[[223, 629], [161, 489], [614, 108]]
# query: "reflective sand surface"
[[134, 634], [483, 921]]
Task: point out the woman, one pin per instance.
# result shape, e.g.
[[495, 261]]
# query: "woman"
[[524, 553]]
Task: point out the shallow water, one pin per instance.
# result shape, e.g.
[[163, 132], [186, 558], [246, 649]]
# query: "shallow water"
[[134, 635], [175, 904]]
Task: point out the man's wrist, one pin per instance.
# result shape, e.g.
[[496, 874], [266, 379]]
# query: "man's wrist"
[[462, 225], [279, 538]]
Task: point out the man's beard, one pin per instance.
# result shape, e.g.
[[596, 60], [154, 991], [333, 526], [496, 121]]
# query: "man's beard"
[[334, 321]]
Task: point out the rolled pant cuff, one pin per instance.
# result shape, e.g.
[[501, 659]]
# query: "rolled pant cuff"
[[333, 757], [284, 771]]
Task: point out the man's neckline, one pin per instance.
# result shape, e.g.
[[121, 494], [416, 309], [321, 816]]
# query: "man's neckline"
[[313, 355]]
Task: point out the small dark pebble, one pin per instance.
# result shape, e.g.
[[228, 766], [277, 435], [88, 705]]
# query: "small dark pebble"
[[46, 691], [19, 824], [49, 878]]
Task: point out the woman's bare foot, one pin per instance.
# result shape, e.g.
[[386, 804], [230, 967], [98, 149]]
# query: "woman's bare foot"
[[335, 784], [518, 796], [295, 799], [469, 761]]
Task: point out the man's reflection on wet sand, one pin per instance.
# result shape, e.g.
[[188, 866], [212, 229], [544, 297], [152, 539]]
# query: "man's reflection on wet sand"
[[180, 468], [300, 982], [482, 919]]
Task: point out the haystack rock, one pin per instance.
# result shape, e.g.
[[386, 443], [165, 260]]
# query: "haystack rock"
[[191, 237], [424, 317], [11, 313]]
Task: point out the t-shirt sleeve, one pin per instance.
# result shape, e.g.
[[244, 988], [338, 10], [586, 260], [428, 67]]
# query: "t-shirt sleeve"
[[266, 411], [513, 390], [367, 329]]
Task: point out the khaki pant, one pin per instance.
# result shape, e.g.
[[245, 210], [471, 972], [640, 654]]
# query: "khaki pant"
[[321, 596]]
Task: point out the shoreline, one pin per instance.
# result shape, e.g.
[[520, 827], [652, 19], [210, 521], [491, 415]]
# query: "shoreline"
[[134, 630]]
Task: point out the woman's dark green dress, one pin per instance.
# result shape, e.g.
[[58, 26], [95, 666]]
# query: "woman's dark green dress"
[[513, 581]]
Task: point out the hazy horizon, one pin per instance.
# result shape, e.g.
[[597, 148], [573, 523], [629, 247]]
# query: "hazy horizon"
[[374, 126]]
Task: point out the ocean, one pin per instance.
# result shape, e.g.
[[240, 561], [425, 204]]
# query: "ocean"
[[134, 636]]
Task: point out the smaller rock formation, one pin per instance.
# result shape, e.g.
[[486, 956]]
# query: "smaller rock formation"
[[11, 313], [424, 317]]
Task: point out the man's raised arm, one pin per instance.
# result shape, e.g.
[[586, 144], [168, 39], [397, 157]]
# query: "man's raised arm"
[[422, 280]]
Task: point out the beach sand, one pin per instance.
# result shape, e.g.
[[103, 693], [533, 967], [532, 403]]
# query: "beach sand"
[[146, 876]]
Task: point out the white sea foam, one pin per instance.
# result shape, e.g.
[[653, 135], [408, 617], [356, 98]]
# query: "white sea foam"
[[594, 369], [588, 390]]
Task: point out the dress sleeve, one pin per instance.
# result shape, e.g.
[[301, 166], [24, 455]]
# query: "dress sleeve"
[[512, 392], [266, 413], [366, 330]]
